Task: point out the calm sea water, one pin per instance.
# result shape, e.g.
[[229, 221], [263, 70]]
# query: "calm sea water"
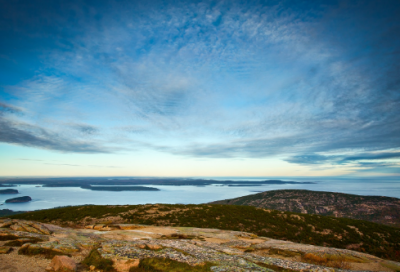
[[46, 197]]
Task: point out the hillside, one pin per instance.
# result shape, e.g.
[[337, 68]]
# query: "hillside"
[[378, 209], [379, 240]]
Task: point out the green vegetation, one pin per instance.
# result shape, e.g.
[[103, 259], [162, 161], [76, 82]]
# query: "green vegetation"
[[94, 258], [392, 266], [164, 265], [380, 240]]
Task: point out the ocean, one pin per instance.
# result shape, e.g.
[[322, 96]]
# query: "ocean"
[[50, 197]]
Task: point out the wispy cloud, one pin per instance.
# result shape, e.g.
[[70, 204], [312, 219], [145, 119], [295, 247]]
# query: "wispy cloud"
[[378, 162], [84, 128], [213, 79], [21, 133]]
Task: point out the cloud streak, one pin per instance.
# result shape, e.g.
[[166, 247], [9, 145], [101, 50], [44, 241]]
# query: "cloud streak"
[[300, 81], [15, 132]]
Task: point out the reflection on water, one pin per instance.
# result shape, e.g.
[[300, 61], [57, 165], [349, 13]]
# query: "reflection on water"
[[48, 197]]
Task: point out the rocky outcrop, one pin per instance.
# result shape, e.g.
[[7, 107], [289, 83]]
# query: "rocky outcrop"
[[378, 209], [21, 199], [62, 264], [25, 226], [222, 250]]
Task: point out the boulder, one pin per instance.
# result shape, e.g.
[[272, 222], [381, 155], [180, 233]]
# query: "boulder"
[[153, 246], [62, 263], [98, 226], [125, 265]]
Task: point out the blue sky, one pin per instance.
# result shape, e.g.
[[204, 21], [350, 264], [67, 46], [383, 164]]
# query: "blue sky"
[[199, 88]]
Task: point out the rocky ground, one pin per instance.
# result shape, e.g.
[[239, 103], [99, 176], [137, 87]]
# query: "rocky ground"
[[29, 246]]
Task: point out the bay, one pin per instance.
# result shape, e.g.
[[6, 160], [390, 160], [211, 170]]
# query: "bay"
[[50, 197]]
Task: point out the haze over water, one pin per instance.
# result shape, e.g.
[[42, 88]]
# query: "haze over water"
[[50, 197]]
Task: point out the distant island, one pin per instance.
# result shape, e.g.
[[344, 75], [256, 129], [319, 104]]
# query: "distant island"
[[84, 182], [8, 191], [119, 188], [21, 199]]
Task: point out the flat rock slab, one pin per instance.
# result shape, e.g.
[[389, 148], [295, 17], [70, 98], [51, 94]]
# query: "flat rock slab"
[[126, 246]]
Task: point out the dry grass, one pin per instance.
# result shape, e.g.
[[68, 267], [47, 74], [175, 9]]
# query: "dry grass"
[[392, 266], [327, 260], [282, 252]]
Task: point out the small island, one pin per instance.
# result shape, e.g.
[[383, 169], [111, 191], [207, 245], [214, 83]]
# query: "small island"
[[21, 199], [8, 191], [119, 188]]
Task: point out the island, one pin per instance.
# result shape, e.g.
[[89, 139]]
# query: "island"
[[119, 188], [8, 191], [21, 199]]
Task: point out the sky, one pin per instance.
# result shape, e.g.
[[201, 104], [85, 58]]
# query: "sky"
[[199, 88]]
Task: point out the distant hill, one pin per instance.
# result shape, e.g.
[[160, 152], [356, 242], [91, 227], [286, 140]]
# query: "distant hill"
[[379, 240], [378, 209]]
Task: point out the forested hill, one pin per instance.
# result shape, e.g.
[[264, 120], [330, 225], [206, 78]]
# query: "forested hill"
[[378, 209]]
